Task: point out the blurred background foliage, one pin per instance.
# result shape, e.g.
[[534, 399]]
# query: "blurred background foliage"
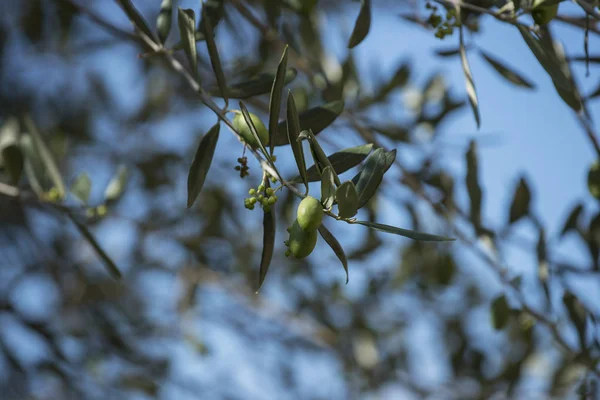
[[416, 320]]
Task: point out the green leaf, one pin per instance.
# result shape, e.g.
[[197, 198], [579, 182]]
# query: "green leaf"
[[327, 188], [293, 129], [506, 72], [112, 268], [347, 200], [572, 222], [426, 237], [253, 130], [335, 246], [390, 157], [163, 22], [201, 163], [469, 82], [33, 167], [362, 25], [46, 157], [448, 52], [593, 180], [341, 161], [117, 184], [578, 316], [370, 176], [13, 161], [473, 187], [315, 119], [275, 105], [521, 202], [500, 312], [319, 156], [81, 187], [186, 20], [213, 52], [269, 228], [258, 85], [136, 18], [215, 10]]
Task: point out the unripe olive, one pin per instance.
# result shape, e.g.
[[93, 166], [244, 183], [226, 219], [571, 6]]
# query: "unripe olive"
[[240, 125], [543, 14], [301, 243], [310, 213]]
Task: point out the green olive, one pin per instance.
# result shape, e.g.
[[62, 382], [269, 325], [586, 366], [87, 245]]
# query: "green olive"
[[301, 243], [240, 125], [310, 213], [542, 14]]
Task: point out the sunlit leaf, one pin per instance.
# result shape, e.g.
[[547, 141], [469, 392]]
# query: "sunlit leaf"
[[507, 73], [163, 21], [116, 186], [362, 25], [186, 20], [315, 119], [347, 199], [335, 246], [426, 237], [327, 188], [81, 187], [469, 82], [253, 130], [201, 163]]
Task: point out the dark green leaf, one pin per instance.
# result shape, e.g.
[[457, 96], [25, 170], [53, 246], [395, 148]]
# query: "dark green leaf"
[[315, 119], [521, 202], [426, 237], [500, 312], [327, 188], [81, 187], [594, 180], [319, 156], [347, 200], [572, 222], [293, 129], [269, 228], [275, 103], [473, 187], [186, 20], [215, 10], [163, 22], [341, 161], [335, 246], [201, 163], [362, 25], [46, 157], [577, 314], [116, 186], [506, 72], [253, 129], [258, 85], [136, 18], [371, 176], [213, 52], [469, 82], [13, 161], [108, 262], [448, 52]]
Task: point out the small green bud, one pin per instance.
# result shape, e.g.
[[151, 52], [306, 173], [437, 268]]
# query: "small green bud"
[[269, 192], [271, 201], [261, 188], [253, 200], [260, 197], [252, 192]]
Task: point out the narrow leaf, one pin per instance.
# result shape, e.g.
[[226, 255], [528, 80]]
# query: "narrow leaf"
[[258, 85], [13, 161], [136, 18], [108, 262], [201, 163], [116, 186], [578, 316], [269, 226], [163, 22], [506, 72], [426, 237], [341, 161], [213, 52], [253, 129], [315, 119], [215, 10], [293, 130], [327, 188], [500, 312], [275, 103], [335, 246], [362, 25], [319, 156], [473, 187], [186, 20], [469, 82], [572, 222], [81, 187], [521, 202], [46, 157], [347, 200], [370, 176]]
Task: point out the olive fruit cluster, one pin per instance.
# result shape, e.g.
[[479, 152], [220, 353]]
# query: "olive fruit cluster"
[[443, 27], [303, 232], [265, 197]]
